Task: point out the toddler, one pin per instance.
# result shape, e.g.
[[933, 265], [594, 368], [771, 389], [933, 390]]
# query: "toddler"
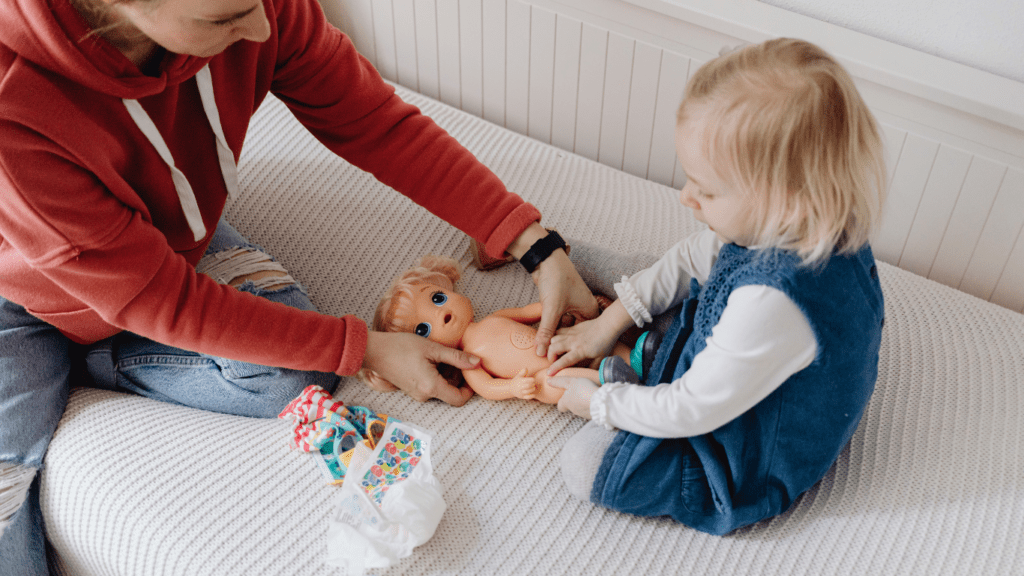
[[764, 374]]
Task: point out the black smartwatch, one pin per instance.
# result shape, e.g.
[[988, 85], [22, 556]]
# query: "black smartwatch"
[[541, 249]]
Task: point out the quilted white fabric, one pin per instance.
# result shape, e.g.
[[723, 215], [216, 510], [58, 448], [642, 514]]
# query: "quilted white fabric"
[[932, 482]]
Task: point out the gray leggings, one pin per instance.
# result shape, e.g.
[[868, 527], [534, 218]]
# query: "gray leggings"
[[581, 457]]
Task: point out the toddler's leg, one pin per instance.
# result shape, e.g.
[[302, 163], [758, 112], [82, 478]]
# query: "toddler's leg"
[[132, 363], [581, 458], [34, 385]]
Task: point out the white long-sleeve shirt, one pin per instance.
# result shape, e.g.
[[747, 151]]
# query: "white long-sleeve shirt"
[[761, 339]]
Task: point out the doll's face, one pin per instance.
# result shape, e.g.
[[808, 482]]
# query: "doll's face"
[[437, 313]]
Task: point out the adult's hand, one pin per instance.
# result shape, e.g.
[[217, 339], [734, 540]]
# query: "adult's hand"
[[409, 363], [562, 290]]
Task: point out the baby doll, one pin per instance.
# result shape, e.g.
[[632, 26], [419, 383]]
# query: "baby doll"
[[423, 300]]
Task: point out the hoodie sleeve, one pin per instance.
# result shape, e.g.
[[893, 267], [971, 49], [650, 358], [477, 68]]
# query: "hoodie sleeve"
[[68, 270], [343, 101]]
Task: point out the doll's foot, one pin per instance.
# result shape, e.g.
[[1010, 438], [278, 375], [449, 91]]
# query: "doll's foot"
[[484, 262], [642, 355], [615, 369], [569, 319]]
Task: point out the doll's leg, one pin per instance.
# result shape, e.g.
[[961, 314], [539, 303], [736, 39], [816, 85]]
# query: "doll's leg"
[[581, 458], [549, 394], [129, 362]]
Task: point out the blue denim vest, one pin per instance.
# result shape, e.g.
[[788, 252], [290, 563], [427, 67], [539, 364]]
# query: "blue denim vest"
[[755, 466]]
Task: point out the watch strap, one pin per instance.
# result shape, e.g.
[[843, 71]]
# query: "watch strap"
[[541, 249]]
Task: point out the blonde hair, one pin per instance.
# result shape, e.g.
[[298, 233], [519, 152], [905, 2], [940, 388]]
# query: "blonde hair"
[[101, 17], [438, 270], [789, 128]]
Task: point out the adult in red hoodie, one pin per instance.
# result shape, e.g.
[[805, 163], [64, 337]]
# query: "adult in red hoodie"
[[120, 126]]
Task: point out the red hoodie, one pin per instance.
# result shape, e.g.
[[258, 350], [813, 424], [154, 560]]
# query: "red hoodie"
[[93, 238]]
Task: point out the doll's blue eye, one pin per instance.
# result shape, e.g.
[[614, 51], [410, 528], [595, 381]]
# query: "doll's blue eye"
[[439, 298], [423, 329]]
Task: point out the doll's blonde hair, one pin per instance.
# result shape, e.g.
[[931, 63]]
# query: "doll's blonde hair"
[[438, 270], [788, 127]]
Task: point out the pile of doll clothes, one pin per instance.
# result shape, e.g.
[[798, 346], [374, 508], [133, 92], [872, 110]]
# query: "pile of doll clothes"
[[390, 502]]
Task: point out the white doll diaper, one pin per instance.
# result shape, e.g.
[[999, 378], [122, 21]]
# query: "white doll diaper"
[[389, 503]]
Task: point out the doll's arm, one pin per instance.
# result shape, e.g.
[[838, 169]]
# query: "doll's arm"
[[522, 386], [529, 314]]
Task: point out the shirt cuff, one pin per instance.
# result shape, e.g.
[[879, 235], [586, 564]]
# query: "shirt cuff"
[[354, 346], [631, 300], [510, 228], [599, 405]]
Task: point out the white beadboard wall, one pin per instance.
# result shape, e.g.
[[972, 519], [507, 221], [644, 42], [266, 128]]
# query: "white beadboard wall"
[[602, 78]]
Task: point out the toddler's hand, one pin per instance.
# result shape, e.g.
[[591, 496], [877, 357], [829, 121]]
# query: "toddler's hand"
[[584, 341], [578, 392]]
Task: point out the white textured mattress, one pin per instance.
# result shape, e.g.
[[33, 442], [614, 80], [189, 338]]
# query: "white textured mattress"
[[932, 483]]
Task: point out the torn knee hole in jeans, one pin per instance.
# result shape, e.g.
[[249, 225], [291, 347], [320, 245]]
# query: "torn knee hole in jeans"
[[236, 266], [15, 480]]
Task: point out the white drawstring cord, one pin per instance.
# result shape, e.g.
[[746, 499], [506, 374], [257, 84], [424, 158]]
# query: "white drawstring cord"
[[186, 195]]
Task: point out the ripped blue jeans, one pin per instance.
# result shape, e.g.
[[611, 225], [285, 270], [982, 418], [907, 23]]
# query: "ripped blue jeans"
[[38, 366], [130, 363]]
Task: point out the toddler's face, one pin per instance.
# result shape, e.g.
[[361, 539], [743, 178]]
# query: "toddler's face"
[[714, 201], [438, 314]]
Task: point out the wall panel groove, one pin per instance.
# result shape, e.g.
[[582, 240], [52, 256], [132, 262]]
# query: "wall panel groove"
[[542, 73], [566, 82], [998, 236], [615, 108], [428, 77], [661, 165], [593, 62]]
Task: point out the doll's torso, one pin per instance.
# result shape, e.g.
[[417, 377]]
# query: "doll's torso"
[[505, 347]]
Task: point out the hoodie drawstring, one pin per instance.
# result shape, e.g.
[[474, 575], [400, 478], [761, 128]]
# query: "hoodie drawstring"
[[186, 196]]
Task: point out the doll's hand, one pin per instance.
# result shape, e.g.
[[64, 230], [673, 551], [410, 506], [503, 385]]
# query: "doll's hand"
[[524, 386], [409, 363], [562, 292], [578, 392]]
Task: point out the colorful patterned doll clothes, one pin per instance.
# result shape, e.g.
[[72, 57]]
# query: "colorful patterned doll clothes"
[[331, 429]]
